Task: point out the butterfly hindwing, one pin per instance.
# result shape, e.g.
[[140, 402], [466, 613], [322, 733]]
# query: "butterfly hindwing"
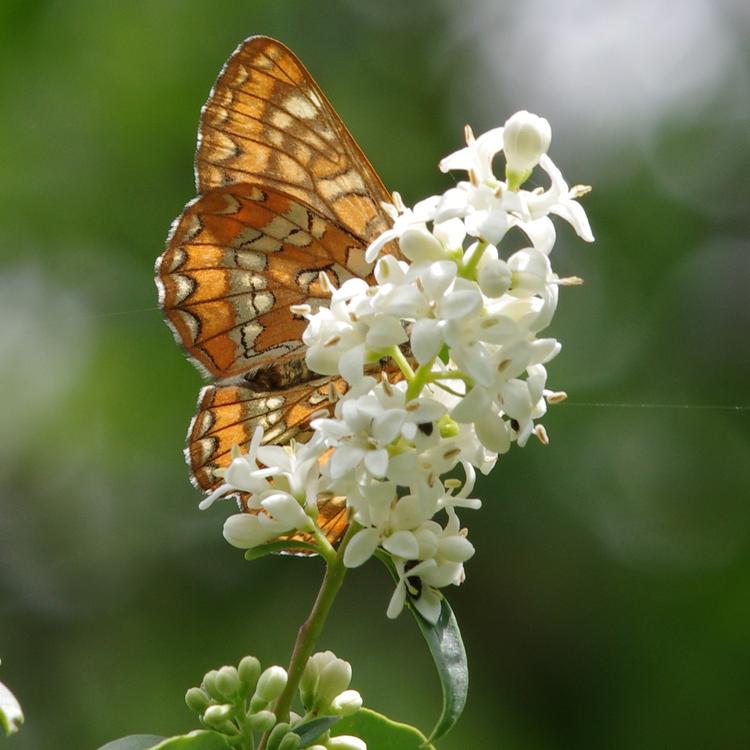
[[238, 258], [267, 121], [227, 416]]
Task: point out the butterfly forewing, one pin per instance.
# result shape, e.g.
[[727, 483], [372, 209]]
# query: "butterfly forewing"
[[267, 121]]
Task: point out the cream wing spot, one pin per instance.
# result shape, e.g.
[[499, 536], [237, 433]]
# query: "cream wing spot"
[[300, 106], [225, 149], [315, 98], [247, 281], [356, 263], [298, 238], [298, 215], [176, 259], [334, 187], [265, 244], [279, 227], [281, 119], [191, 228], [250, 260], [305, 278], [263, 302], [231, 205], [241, 74], [250, 332], [184, 286], [190, 322], [318, 226]]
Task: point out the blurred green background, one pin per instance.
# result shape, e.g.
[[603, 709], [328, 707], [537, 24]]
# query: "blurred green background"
[[608, 605]]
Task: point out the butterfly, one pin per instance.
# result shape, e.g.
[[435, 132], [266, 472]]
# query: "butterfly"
[[284, 194]]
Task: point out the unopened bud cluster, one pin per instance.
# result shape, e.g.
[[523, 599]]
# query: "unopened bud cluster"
[[456, 324], [238, 702]]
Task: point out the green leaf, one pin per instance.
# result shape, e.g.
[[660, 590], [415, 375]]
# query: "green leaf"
[[200, 739], [380, 733], [447, 649], [11, 715], [281, 546], [134, 742], [312, 729]]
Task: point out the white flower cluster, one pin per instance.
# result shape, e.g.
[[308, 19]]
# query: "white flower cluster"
[[457, 326]]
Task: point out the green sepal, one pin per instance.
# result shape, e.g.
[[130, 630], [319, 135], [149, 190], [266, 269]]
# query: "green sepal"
[[444, 354], [447, 650], [380, 732], [311, 730], [133, 742], [281, 546], [11, 715]]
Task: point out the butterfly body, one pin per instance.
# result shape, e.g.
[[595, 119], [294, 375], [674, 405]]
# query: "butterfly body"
[[284, 194]]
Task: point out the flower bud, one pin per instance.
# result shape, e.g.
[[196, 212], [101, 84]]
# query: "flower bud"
[[308, 685], [526, 138], [197, 700], [418, 244], [334, 679], [271, 683], [209, 685], [290, 742], [228, 681], [346, 742], [278, 733], [494, 277], [217, 715], [249, 671], [347, 703], [257, 703], [286, 510], [261, 721]]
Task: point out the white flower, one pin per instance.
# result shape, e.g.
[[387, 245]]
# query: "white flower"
[[405, 584], [345, 742], [561, 200], [242, 474], [277, 494], [440, 554], [526, 138], [476, 158], [367, 421], [245, 530], [472, 378], [490, 207], [403, 219]]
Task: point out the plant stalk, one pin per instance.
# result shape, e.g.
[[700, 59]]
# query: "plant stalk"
[[311, 628]]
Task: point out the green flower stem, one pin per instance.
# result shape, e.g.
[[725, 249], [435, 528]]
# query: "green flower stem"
[[451, 375], [469, 269], [421, 378], [310, 630], [398, 357], [246, 739]]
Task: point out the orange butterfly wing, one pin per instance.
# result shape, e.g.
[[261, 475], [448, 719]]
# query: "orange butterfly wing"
[[237, 259], [228, 415], [266, 121], [285, 193]]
